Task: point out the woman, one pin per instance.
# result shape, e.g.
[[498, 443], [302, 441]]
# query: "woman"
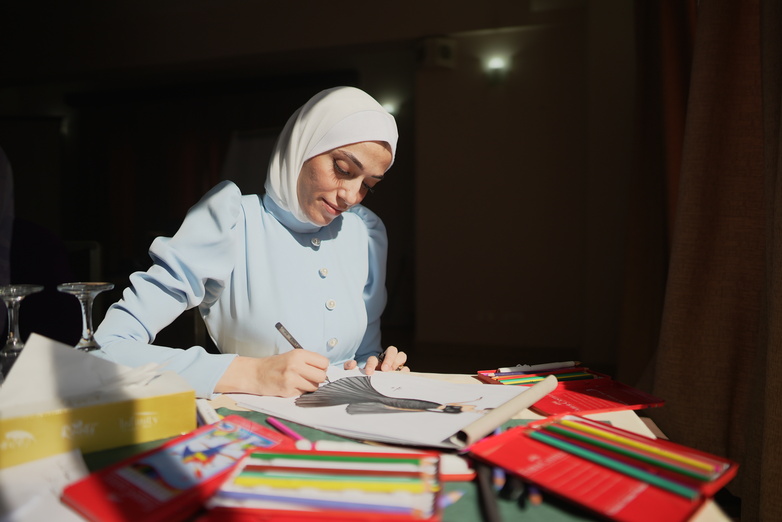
[[305, 254]]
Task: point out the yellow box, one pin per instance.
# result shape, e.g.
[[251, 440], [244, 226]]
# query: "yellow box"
[[160, 406]]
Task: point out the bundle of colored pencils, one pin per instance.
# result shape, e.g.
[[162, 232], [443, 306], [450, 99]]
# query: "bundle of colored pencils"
[[675, 470], [344, 484], [526, 375]]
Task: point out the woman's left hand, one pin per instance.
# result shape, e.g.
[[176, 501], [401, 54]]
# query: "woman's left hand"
[[389, 361]]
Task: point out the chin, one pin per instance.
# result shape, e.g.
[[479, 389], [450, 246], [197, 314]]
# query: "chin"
[[320, 219]]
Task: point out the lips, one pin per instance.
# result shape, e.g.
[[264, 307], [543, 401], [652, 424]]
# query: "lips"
[[331, 209]]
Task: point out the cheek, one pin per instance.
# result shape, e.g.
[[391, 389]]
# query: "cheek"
[[305, 185], [313, 178]]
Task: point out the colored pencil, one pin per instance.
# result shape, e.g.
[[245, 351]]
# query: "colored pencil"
[[337, 456], [540, 367], [323, 503], [285, 430], [649, 478], [449, 498], [558, 373], [288, 337], [499, 375], [403, 472], [559, 376], [655, 460], [330, 483], [531, 380], [600, 432], [376, 483], [292, 340]]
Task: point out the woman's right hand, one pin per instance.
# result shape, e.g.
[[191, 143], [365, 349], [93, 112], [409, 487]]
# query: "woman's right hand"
[[288, 374]]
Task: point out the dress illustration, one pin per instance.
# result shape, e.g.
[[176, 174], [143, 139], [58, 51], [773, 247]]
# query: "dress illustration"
[[362, 398]]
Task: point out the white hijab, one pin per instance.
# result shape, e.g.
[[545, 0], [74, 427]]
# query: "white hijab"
[[330, 119]]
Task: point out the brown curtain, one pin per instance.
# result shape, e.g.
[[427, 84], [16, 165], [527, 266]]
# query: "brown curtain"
[[664, 32], [720, 352]]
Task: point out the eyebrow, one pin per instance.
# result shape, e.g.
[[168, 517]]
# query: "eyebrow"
[[358, 162]]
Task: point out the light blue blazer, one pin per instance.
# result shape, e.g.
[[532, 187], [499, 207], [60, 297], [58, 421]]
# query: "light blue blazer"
[[247, 264]]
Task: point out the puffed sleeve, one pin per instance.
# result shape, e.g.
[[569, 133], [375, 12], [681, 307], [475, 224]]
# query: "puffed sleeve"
[[375, 288], [189, 268]]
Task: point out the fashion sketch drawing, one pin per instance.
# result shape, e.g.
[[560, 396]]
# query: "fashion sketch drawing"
[[362, 398]]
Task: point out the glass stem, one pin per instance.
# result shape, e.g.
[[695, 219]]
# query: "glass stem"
[[13, 322], [86, 317]]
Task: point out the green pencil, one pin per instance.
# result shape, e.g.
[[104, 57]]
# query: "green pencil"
[[615, 465], [346, 457], [569, 377], [628, 452]]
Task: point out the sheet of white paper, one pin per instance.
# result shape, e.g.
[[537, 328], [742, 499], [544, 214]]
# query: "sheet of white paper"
[[46, 369], [426, 428], [31, 491]]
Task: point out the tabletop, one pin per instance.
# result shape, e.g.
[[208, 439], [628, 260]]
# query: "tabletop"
[[464, 494]]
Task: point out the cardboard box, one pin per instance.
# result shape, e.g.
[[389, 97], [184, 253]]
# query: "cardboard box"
[[56, 399]]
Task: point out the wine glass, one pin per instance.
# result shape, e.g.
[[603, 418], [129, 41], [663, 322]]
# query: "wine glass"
[[12, 296], [85, 293]]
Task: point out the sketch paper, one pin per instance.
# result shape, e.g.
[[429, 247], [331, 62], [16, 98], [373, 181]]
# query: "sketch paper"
[[400, 408]]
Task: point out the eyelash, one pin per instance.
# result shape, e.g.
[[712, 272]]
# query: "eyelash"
[[343, 172]]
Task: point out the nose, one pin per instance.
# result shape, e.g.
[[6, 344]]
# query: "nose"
[[350, 193]]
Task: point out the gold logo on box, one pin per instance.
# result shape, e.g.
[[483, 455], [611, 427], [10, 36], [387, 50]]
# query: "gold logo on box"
[[141, 420], [17, 439], [78, 429]]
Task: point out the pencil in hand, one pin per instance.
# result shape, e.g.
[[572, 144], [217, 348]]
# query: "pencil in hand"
[[285, 333]]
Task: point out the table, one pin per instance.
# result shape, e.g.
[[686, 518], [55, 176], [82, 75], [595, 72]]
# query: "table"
[[466, 508]]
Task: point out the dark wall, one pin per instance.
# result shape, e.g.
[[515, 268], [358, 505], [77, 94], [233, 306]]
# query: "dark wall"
[[147, 96]]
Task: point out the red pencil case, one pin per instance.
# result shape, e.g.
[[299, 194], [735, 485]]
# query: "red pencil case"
[[595, 394], [613, 472], [171, 482]]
